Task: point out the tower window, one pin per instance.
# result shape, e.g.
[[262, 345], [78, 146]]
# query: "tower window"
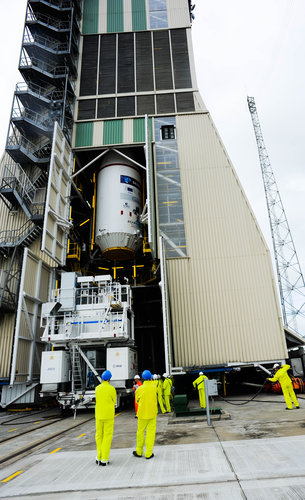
[[167, 132]]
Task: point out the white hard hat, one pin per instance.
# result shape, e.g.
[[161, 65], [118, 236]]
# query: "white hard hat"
[[276, 365], [155, 377], [164, 375], [200, 373], [137, 376]]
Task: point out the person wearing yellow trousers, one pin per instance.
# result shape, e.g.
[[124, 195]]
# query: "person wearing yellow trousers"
[[199, 383], [146, 396], [282, 376], [159, 384], [105, 398], [167, 388]]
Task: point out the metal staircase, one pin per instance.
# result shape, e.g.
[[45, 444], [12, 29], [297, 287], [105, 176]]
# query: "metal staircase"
[[48, 65], [16, 189], [25, 152], [23, 236]]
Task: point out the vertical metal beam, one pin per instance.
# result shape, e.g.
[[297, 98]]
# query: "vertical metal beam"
[[167, 351], [34, 322], [18, 318], [150, 188]]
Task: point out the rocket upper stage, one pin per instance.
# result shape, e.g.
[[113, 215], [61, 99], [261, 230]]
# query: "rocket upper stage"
[[118, 208]]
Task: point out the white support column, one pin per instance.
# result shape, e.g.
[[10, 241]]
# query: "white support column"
[[18, 318]]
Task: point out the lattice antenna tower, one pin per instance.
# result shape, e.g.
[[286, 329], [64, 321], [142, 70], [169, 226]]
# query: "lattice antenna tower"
[[290, 278]]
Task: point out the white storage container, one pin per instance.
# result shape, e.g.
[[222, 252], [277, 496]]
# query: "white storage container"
[[55, 367], [122, 362]]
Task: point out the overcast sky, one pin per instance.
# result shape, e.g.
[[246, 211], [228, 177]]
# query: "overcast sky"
[[242, 47]]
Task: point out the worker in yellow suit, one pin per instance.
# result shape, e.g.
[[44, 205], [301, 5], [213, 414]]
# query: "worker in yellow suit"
[[146, 396], [105, 399], [282, 376], [199, 383], [167, 390], [159, 384]]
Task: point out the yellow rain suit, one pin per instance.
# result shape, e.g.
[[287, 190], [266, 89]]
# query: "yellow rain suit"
[[146, 397], [105, 398], [199, 383], [167, 387], [286, 385], [159, 386]]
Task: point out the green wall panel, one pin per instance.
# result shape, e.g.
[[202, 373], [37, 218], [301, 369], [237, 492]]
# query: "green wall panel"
[[139, 129], [115, 16], [139, 15], [84, 134], [90, 17], [113, 132]]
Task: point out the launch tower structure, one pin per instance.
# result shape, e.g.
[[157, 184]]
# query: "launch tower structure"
[[138, 188], [290, 277]]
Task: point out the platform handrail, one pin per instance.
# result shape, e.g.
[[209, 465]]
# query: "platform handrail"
[[51, 94], [48, 42], [47, 20]]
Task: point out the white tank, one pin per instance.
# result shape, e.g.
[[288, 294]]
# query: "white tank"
[[118, 208]]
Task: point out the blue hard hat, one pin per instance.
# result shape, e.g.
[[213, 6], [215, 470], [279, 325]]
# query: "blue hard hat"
[[146, 375], [106, 375]]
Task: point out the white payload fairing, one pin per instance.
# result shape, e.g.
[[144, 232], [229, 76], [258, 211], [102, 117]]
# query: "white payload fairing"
[[118, 208]]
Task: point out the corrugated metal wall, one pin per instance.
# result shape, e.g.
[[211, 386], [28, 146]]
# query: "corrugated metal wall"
[[178, 13], [6, 341], [110, 16], [90, 17], [113, 132], [139, 15], [223, 296], [84, 134], [13, 221], [99, 133], [27, 346], [115, 16]]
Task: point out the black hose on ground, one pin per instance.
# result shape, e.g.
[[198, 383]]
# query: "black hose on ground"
[[249, 400]]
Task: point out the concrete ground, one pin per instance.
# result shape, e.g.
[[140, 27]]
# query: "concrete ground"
[[252, 451]]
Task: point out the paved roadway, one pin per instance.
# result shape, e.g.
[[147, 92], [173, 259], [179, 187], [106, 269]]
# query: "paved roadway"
[[254, 451]]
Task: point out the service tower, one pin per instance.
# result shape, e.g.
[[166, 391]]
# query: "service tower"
[[113, 167]]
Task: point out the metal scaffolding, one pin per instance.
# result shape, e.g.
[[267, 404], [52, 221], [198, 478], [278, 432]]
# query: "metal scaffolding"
[[48, 65], [290, 278]]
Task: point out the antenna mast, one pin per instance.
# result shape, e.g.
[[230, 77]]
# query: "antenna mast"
[[289, 274]]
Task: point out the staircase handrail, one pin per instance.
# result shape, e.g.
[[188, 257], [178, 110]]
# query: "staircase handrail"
[[53, 69], [51, 94], [61, 4], [43, 120], [45, 41], [40, 150], [48, 20], [17, 236], [14, 176], [8, 295]]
